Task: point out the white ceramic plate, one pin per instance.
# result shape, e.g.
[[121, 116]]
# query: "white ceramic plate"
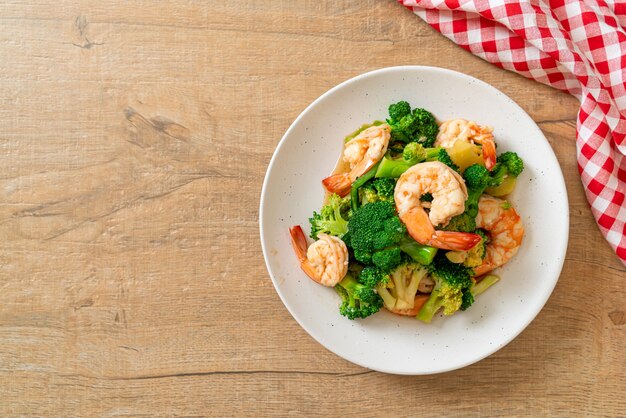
[[385, 342]]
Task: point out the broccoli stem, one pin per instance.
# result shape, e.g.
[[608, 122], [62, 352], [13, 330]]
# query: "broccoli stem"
[[432, 153], [430, 308], [391, 168], [484, 284], [423, 254], [358, 183], [471, 204]]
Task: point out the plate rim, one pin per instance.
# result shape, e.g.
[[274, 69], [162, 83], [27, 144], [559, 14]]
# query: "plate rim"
[[418, 68]]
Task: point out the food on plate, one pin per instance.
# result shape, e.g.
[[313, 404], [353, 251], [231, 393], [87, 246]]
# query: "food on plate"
[[417, 220]]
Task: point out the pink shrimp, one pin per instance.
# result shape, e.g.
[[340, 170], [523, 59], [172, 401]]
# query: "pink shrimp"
[[449, 195], [361, 152], [505, 228], [325, 261], [460, 129]]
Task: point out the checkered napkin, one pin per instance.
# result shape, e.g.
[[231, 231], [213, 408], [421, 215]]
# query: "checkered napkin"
[[576, 46]]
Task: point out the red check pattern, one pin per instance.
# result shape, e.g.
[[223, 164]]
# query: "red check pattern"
[[576, 46]]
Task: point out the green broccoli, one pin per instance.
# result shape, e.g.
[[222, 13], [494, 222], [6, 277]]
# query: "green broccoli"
[[387, 259], [385, 187], [485, 283], [423, 254], [476, 255], [358, 301], [467, 299], [400, 290], [508, 164], [415, 152], [393, 231], [374, 227], [462, 223], [477, 289], [451, 282], [444, 157], [371, 276], [398, 110], [360, 182], [392, 168], [478, 178], [376, 190], [332, 218], [418, 125]]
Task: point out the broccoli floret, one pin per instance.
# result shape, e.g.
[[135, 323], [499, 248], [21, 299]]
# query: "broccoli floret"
[[368, 195], [477, 177], [462, 223], [508, 164], [394, 232], [451, 281], [375, 190], [373, 227], [476, 255], [332, 218], [398, 110], [399, 292], [371, 276], [387, 259], [414, 153], [358, 301], [407, 126], [467, 299], [385, 187], [444, 157]]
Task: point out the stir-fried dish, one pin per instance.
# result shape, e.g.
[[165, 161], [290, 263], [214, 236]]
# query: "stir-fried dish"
[[418, 221]]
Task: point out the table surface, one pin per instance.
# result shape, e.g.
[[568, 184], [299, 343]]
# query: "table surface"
[[134, 138]]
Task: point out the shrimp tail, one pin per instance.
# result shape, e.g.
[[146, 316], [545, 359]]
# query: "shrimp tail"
[[489, 153], [455, 241], [298, 241], [338, 183], [421, 230]]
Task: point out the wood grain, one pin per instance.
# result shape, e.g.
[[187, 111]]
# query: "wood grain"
[[134, 137]]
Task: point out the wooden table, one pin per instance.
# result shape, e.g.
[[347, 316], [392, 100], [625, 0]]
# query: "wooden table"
[[134, 138]]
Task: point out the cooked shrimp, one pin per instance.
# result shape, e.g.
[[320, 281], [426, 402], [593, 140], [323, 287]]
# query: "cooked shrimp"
[[460, 129], [325, 261], [449, 195], [505, 229], [361, 153]]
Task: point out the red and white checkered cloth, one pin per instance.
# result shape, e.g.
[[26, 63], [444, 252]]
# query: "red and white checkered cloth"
[[575, 46]]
